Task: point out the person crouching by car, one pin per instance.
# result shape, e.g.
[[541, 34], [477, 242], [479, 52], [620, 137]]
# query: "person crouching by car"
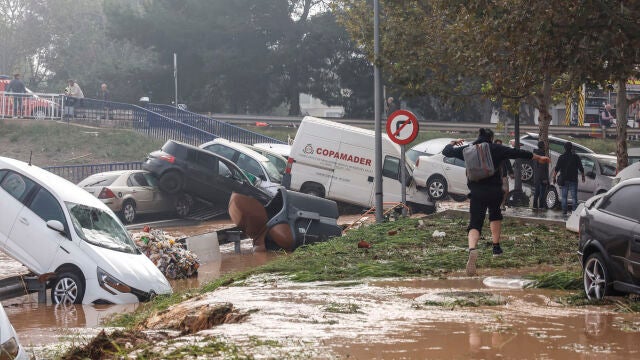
[[486, 194]]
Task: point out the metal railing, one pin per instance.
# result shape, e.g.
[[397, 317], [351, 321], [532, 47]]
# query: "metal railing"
[[220, 128], [76, 173], [30, 105]]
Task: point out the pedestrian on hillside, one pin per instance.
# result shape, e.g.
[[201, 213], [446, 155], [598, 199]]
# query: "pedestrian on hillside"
[[506, 171], [540, 179], [74, 95], [390, 106], [105, 96], [568, 166], [16, 86], [486, 194]]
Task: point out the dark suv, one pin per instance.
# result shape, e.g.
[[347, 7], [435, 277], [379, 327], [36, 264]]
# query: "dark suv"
[[609, 244], [200, 173]]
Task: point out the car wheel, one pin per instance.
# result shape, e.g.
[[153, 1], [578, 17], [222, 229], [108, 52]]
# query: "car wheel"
[[458, 197], [129, 211], [437, 188], [596, 277], [67, 289], [171, 182], [312, 189], [183, 206], [551, 198], [526, 171]]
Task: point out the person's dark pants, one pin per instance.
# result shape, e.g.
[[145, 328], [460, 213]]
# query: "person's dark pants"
[[481, 200], [538, 195], [17, 105], [573, 187]]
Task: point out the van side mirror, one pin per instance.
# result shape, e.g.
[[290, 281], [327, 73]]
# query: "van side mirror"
[[56, 225]]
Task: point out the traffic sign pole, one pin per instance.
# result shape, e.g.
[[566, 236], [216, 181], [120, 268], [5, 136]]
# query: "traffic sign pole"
[[402, 128], [403, 179]]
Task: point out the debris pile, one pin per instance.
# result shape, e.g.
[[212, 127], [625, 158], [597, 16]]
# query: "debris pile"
[[167, 253]]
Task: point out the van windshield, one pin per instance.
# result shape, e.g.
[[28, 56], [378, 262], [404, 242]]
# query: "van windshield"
[[100, 228]]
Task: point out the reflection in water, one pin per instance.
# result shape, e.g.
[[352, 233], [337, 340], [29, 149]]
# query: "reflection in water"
[[40, 324]]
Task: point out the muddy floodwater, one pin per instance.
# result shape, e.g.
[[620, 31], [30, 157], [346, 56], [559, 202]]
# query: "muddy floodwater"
[[364, 319]]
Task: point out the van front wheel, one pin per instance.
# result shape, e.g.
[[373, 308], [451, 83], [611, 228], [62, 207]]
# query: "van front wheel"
[[312, 189]]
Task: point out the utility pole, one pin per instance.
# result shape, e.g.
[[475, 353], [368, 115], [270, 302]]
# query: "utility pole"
[[175, 81], [377, 111]]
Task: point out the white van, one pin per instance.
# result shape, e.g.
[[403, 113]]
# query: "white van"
[[336, 161], [52, 226]]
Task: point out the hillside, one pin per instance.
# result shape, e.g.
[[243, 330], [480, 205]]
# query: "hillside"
[[57, 143]]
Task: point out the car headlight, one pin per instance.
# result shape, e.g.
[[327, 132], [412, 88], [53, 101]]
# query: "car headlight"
[[10, 349], [109, 282]]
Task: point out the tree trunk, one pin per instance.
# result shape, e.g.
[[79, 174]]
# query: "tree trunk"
[[621, 118], [544, 119]]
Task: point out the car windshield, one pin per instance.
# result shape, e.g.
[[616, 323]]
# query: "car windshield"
[[608, 167], [272, 172], [412, 155], [100, 228]]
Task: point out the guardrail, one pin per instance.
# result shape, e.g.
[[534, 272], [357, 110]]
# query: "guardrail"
[[30, 105], [76, 173]]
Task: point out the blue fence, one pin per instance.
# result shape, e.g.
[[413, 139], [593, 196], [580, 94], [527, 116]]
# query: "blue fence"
[[76, 173], [220, 128]]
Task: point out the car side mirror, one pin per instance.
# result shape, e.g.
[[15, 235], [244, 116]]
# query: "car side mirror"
[[591, 175], [56, 225]]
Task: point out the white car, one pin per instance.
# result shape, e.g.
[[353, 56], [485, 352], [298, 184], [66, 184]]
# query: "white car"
[[442, 176], [278, 160], [54, 227], [630, 172], [249, 161], [282, 149], [10, 347], [427, 148]]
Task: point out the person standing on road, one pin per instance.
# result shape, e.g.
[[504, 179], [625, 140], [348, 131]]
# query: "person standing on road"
[[16, 86], [540, 179], [506, 170], [486, 194], [568, 165]]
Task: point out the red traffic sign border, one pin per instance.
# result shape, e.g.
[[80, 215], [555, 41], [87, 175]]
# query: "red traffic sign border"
[[411, 118]]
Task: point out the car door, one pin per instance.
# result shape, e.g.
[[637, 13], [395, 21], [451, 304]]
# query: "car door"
[[456, 174], [209, 185], [587, 188], [31, 241], [617, 228], [138, 188], [391, 179], [14, 189]]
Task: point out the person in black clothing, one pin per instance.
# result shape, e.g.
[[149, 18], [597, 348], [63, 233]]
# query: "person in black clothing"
[[16, 86], [540, 179], [486, 193], [568, 165], [506, 171]]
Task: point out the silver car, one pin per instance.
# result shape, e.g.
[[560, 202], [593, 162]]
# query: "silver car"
[[133, 192], [599, 172], [529, 142]]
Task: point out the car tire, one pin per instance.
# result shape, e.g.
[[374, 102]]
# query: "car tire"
[[183, 206], [312, 189], [171, 182], [526, 171], [67, 289], [595, 276], [437, 188], [128, 211], [458, 197], [551, 199]]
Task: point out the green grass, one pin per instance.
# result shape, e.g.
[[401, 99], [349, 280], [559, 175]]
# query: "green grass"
[[563, 280]]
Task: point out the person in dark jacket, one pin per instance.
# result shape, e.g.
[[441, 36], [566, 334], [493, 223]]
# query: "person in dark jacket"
[[16, 86], [486, 194], [506, 171], [568, 165], [540, 179]]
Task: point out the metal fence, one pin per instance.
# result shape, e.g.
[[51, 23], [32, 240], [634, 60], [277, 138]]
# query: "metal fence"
[[220, 128], [30, 105], [76, 173]]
